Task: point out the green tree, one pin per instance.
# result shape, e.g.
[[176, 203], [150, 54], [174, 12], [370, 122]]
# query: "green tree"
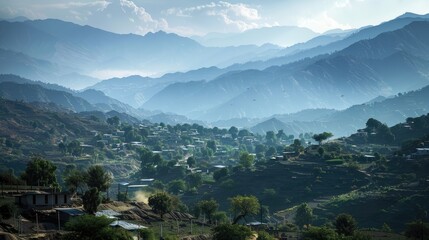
[[304, 215], [322, 137], [41, 172], [244, 133], [280, 134], [320, 233], [90, 227], [229, 232], [176, 186], [271, 152], [86, 226], [7, 210], [98, 178], [220, 217], [147, 234], [345, 224], [195, 180], [212, 145], [114, 121], [270, 138], [115, 234], [161, 203], [243, 206], [384, 135], [262, 235], [208, 208], [297, 145], [372, 125], [74, 148], [75, 180], [233, 131], [246, 160], [62, 147], [220, 174], [91, 199], [417, 230], [260, 149], [191, 162]]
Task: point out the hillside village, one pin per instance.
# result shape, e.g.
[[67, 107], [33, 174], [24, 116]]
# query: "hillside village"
[[196, 164]]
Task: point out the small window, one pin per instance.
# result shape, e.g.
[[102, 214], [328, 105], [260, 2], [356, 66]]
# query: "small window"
[[65, 198], [34, 199], [56, 198], [46, 199]]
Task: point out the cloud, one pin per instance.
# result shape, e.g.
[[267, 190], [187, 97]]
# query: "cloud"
[[342, 3], [321, 23], [129, 7], [239, 16]]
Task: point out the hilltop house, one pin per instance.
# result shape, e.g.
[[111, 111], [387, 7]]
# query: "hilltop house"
[[43, 200], [421, 152]]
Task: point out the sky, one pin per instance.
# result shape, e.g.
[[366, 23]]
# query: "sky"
[[199, 17]]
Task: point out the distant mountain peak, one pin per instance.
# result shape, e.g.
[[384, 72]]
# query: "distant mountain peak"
[[17, 19], [413, 15]]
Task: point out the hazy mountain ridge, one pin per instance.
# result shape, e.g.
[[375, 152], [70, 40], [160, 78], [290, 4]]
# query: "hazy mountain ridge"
[[278, 35], [136, 90], [91, 51], [336, 81], [342, 123], [35, 93], [364, 33]]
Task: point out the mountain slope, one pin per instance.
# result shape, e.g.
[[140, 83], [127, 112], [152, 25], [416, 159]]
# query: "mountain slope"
[[362, 34], [96, 98], [36, 93], [198, 96], [342, 123]]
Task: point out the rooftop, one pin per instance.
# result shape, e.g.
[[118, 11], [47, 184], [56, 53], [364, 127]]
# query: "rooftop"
[[70, 211], [107, 213], [126, 225]]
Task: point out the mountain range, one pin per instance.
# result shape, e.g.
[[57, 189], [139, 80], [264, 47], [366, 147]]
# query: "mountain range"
[[73, 49], [345, 122], [16, 88], [303, 87], [278, 35], [390, 63]]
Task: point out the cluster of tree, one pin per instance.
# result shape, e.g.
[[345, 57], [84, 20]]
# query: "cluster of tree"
[[413, 128], [8, 178], [90, 227], [41, 172], [378, 132], [73, 148], [95, 180], [163, 203], [322, 137]]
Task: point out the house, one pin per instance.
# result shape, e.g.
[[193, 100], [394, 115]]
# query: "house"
[[43, 200], [421, 152], [65, 214]]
